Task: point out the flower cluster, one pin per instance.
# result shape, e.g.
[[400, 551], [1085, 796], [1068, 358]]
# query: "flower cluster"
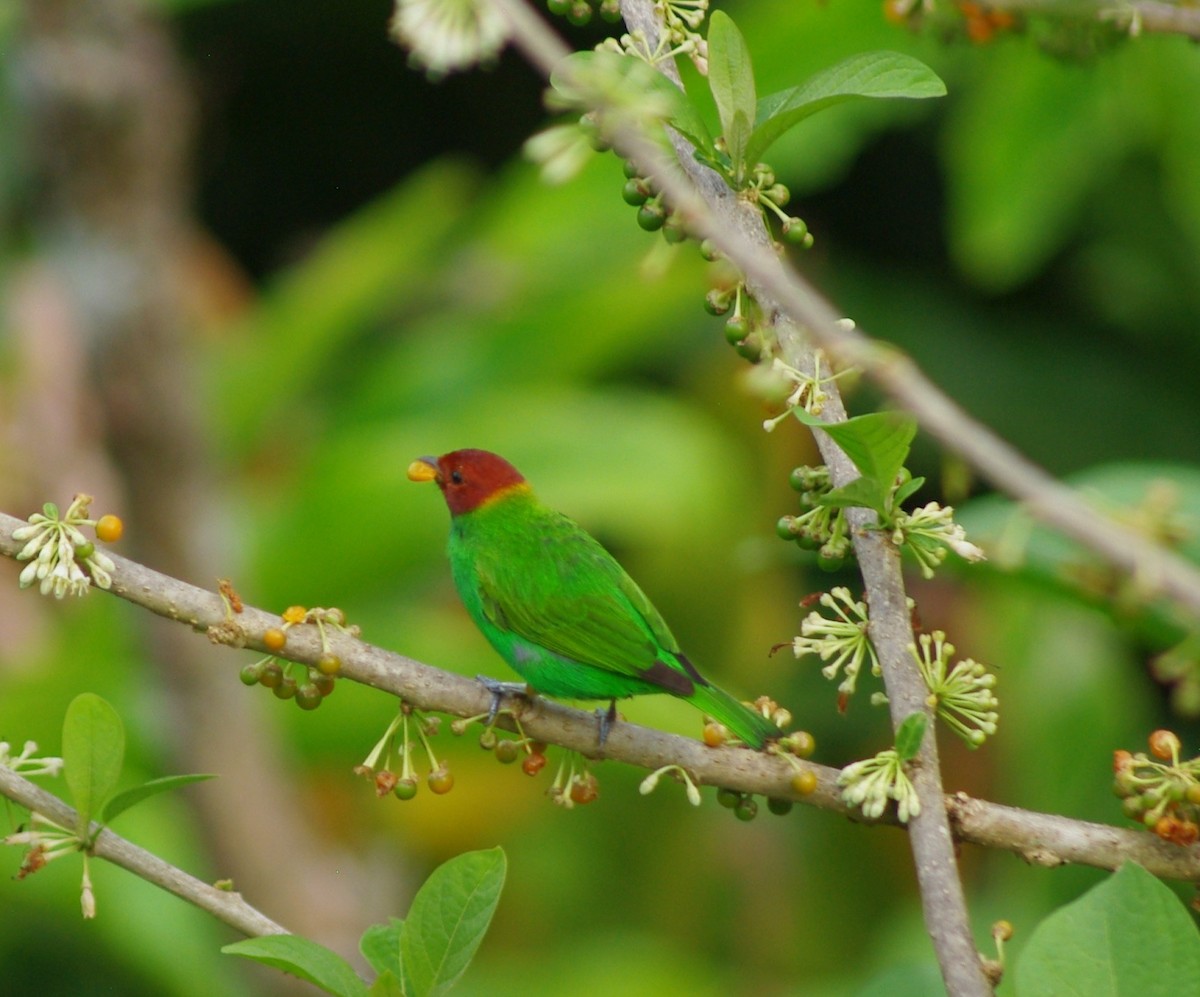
[[807, 391], [929, 532], [962, 695], [58, 552], [26, 763], [870, 783], [840, 640], [45, 841], [1162, 792], [407, 726], [680, 35], [446, 35]]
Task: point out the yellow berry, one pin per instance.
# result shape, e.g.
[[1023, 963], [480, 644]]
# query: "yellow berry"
[[109, 528], [274, 639], [804, 782], [329, 664]]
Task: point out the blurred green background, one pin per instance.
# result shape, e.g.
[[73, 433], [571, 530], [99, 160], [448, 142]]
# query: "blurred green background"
[[368, 271]]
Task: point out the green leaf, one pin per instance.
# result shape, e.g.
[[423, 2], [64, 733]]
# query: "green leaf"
[[910, 734], [862, 491], [870, 74], [380, 945], [876, 443], [448, 919], [1128, 935], [302, 958], [93, 747], [127, 798], [386, 985], [731, 79]]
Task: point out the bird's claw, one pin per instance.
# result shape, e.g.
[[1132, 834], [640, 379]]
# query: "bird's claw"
[[604, 721], [499, 690]]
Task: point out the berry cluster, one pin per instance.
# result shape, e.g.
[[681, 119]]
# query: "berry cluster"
[[308, 685], [818, 527], [1162, 792], [409, 730]]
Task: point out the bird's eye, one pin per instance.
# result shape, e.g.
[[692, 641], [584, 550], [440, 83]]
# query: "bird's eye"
[[456, 476]]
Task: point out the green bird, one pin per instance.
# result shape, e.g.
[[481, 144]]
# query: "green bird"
[[556, 605]]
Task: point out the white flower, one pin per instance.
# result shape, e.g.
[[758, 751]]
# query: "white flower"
[[445, 35]]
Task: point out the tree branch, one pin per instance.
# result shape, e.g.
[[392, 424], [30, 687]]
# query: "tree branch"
[[224, 905], [1043, 838]]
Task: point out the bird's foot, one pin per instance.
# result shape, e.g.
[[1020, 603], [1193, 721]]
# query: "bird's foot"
[[604, 722], [499, 690]]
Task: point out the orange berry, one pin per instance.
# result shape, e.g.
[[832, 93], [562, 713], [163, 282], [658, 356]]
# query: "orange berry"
[[1164, 744], [274, 639], [109, 528], [533, 764], [715, 734], [441, 780]]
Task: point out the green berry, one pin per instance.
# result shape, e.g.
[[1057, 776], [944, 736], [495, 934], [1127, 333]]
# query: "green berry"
[[630, 169], [779, 807], [84, 551], [830, 562], [579, 14], [736, 329], [635, 192], [709, 251], [271, 675], [308, 696], [651, 216], [746, 809], [507, 751], [717, 301], [673, 231], [784, 527], [796, 232], [286, 688], [250, 674], [405, 789], [558, 7], [728, 798], [324, 683], [751, 348]]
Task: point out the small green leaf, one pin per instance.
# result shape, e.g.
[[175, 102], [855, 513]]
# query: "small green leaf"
[[1128, 935], [869, 74], [910, 734], [380, 945], [302, 958], [448, 919], [93, 747], [866, 492], [731, 79], [877, 443], [127, 798], [386, 985], [907, 490]]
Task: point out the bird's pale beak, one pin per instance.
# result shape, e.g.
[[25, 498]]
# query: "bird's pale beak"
[[423, 469]]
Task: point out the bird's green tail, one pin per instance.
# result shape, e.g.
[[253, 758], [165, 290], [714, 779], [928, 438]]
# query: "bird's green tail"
[[752, 728]]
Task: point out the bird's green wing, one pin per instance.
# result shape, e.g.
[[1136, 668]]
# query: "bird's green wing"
[[568, 595]]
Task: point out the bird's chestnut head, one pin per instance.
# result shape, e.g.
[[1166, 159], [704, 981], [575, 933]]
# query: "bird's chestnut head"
[[468, 478]]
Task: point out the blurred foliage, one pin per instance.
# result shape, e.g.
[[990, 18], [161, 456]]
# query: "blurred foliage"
[[1033, 241]]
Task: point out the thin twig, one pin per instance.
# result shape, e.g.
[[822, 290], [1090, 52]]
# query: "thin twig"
[[225, 905]]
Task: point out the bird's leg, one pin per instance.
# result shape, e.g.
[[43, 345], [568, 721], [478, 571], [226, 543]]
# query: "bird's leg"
[[499, 690], [605, 720]]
